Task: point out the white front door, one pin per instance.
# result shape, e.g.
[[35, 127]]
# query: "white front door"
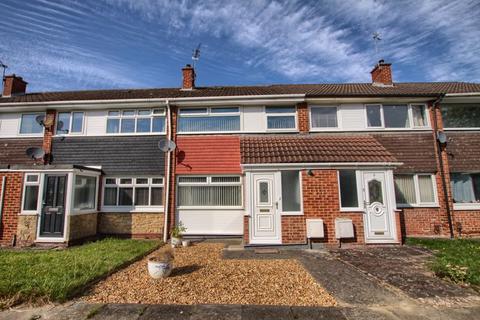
[[265, 224], [379, 219]]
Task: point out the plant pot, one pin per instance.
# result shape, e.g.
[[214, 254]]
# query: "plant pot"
[[159, 269], [185, 243], [176, 242]]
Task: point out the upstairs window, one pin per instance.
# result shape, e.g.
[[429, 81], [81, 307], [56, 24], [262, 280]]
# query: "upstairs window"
[[415, 190], [461, 115], [70, 122], [466, 187], [323, 117], [211, 119], [29, 124], [209, 191], [136, 121], [281, 117], [133, 192], [396, 116]]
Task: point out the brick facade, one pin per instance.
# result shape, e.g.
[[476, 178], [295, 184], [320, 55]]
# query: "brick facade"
[[82, 226], [303, 118], [134, 225], [12, 201]]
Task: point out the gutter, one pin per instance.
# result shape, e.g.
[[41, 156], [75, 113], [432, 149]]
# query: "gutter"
[[167, 180], [322, 165], [442, 170], [2, 196], [467, 94]]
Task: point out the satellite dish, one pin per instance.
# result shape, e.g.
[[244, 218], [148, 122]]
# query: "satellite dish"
[[167, 145], [35, 153], [441, 137], [40, 119]]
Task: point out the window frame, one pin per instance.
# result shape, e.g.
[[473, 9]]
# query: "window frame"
[[135, 118], [133, 208], [210, 183], [61, 133], [418, 203], [318, 129], [208, 113], [20, 121], [95, 201], [300, 181], [411, 124], [280, 114], [359, 184], [39, 184], [460, 128], [465, 206]]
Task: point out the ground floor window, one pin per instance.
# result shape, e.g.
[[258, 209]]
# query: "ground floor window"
[[210, 191], [348, 189], [414, 190], [133, 192], [85, 190], [465, 187], [30, 192], [291, 199]]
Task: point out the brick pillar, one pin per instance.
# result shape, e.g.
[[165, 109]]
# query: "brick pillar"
[[436, 115], [303, 119], [50, 117], [12, 203]]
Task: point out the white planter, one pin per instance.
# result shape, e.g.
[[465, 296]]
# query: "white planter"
[[176, 242], [185, 243], [158, 270]]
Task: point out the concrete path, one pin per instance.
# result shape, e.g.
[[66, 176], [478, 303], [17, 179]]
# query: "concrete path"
[[369, 283]]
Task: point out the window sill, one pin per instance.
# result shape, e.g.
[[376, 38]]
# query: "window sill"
[[210, 132], [283, 214], [466, 206], [132, 210], [352, 210], [27, 213], [81, 212], [413, 206], [209, 208]]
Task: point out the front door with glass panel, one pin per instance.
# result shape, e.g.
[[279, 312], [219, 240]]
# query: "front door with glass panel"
[[265, 226], [379, 216], [52, 218]]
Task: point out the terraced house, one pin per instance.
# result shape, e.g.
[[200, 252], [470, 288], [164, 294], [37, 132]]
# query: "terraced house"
[[276, 165]]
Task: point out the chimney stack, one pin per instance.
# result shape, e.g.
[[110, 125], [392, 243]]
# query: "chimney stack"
[[188, 77], [13, 86], [382, 74]]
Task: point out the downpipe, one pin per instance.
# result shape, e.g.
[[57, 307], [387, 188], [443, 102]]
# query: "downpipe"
[[167, 180]]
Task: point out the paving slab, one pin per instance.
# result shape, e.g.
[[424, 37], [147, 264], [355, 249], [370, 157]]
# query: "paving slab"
[[167, 312], [118, 312]]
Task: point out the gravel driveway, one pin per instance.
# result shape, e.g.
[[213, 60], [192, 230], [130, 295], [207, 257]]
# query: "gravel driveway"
[[201, 276]]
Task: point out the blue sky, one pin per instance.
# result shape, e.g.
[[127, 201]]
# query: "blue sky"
[[94, 44]]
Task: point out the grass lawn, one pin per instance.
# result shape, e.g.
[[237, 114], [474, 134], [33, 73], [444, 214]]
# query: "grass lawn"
[[56, 275], [457, 259]]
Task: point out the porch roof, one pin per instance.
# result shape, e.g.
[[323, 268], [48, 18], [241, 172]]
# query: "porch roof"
[[331, 148]]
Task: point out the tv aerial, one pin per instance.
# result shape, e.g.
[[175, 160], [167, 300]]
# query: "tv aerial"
[[4, 67], [167, 145], [376, 38], [35, 153], [196, 54]]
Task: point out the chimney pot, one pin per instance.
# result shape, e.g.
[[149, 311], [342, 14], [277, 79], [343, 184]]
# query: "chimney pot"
[[13, 85], [188, 77], [382, 74]]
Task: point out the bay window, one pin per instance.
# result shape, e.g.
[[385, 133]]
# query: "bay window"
[[291, 198], [84, 193], [30, 192], [396, 116], [415, 190], [136, 121], [281, 117], [466, 188], [209, 119], [461, 115], [29, 124], [323, 117], [210, 191], [129, 192], [70, 122]]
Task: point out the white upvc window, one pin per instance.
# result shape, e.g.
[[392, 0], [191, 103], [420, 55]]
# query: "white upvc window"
[[85, 193], [133, 194], [29, 124], [136, 121], [396, 116], [281, 118], [465, 116], [31, 191], [291, 183], [209, 119], [465, 190], [70, 122], [349, 188], [210, 192], [415, 190], [324, 118]]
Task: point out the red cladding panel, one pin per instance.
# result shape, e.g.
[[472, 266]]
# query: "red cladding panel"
[[208, 155]]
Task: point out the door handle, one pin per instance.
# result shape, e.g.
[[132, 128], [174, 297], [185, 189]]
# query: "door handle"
[[276, 204]]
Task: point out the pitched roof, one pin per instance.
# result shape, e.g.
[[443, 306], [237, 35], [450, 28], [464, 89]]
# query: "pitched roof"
[[312, 148], [420, 89]]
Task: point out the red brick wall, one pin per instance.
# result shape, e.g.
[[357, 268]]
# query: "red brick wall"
[[11, 206], [467, 223], [382, 73], [303, 118], [246, 230]]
